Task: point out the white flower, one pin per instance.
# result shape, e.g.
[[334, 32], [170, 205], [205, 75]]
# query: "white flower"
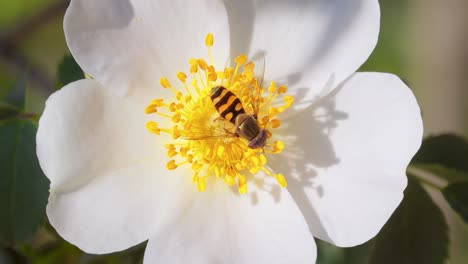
[[348, 138]]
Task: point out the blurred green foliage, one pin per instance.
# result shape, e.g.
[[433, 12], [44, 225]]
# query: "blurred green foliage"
[[68, 71], [450, 151], [390, 53], [416, 233], [15, 12], [23, 186], [457, 195]]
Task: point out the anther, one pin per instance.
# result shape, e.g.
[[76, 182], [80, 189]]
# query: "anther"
[[169, 146], [241, 59], [176, 118], [181, 76], [175, 132], [202, 64], [275, 123], [249, 67], [171, 152], [282, 89], [171, 165], [150, 109], [229, 180], [288, 99], [173, 107], [272, 87], [212, 76], [228, 72], [242, 184], [165, 82], [281, 180], [272, 111], [193, 65], [152, 127], [178, 95], [190, 158], [201, 184], [197, 166], [209, 39], [278, 146]]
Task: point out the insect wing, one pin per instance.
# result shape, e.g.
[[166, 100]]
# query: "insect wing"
[[210, 132], [256, 87]]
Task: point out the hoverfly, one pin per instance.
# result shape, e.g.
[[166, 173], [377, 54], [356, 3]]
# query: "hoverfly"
[[232, 112], [230, 108]]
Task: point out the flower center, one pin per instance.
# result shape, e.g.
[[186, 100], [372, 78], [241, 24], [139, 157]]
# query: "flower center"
[[222, 122]]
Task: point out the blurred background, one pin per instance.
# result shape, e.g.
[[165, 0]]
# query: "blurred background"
[[425, 42]]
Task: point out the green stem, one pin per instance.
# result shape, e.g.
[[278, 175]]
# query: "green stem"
[[425, 178]]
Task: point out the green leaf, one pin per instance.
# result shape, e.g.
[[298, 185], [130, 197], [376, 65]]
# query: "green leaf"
[[448, 150], [14, 101], [328, 253], [68, 71], [17, 95], [10, 256], [23, 186], [457, 196], [416, 232], [451, 175], [7, 111]]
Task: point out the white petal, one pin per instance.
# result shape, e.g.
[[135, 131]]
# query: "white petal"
[[351, 153], [86, 131], [129, 44], [222, 227], [109, 190], [119, 209], [307, 44]]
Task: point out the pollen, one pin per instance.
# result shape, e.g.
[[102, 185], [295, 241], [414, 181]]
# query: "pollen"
[[200, 137]]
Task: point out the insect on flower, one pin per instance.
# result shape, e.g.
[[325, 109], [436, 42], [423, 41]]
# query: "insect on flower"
[[230, 108]]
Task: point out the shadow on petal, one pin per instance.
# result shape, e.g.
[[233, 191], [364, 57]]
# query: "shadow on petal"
[[341, 16], [306, 134], [241, 16]]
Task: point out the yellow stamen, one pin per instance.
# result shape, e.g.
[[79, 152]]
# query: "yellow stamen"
[[281, 180], [202, 64], [275, 123], [205, 141], [193, 65], [152, 127], [242, 183], [278, 146], [181, 76], [171, 165], [229, 180], [209, 39], [150, 109], [240, 59], [282, 89], [201, 184], [164, 82]]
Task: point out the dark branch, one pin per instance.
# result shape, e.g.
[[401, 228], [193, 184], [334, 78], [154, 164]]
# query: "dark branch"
[[10, 41]]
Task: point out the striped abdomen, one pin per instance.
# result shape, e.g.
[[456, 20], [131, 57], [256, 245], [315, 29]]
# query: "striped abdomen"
[[226, 103]]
